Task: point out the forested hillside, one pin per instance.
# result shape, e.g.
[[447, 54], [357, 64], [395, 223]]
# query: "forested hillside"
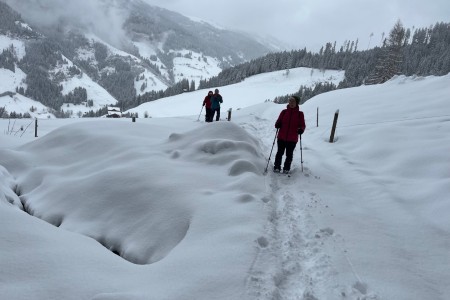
[[426, 51]]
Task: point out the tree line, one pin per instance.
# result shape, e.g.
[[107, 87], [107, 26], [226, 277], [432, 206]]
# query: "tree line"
[[424, 52]]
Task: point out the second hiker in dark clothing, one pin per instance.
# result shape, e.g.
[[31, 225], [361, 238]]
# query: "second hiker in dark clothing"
[[216, 99], [291, 124], [207, 105]]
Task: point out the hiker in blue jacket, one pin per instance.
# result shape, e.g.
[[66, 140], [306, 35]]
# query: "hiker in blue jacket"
[[216, 99]]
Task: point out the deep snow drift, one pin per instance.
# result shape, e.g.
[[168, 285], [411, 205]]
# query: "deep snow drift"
[[174, 208]]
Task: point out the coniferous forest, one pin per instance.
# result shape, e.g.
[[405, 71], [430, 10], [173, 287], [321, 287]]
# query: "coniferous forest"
[[424, 52]]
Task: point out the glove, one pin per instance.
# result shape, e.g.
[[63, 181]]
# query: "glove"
[[300, 131], [278, 124]]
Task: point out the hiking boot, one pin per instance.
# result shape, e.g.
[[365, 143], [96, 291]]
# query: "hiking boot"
[[276, 169]]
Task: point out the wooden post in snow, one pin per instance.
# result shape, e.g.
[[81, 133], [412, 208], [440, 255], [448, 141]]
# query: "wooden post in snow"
[[317, 117], [35, 128], [333, 129]]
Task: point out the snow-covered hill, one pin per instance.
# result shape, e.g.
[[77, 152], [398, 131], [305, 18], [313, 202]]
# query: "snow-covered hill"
[[240, 95], [174, 208]]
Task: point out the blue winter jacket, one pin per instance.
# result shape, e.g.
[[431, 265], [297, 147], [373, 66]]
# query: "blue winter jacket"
[[216, 99]]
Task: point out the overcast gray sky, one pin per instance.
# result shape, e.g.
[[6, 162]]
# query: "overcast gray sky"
[[312, 23]]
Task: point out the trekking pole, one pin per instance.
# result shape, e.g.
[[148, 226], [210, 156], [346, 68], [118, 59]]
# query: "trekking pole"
[[265, 171], [198, 119], [301, 152]]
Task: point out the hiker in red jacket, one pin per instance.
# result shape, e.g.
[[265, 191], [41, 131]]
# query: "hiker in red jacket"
[[291, 124], [207, 105]]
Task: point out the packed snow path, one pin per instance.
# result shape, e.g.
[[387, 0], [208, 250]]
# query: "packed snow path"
[[294, 257]]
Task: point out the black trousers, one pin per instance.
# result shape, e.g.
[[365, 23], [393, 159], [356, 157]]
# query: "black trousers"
[[282, 147], [208, 115], [215, 110]]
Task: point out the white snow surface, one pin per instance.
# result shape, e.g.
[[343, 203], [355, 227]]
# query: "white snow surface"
[[15, 102], [10, 80], [171, 207], [253, 90], [19, 46]]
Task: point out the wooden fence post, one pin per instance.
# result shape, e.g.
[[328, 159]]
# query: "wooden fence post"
[[317, 116], [35, 128], [333, 130]]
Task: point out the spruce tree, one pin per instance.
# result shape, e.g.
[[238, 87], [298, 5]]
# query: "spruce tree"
[[391, 58]]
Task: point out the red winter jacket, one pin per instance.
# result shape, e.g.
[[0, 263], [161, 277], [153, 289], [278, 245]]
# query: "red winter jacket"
[[290, 120], [207, 101]]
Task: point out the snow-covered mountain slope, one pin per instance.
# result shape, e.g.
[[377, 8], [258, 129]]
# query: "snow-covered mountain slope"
[[150, 32], [240, 95], [23, 105], [127, 48], [18, 45], [12, 80], [20, 104]]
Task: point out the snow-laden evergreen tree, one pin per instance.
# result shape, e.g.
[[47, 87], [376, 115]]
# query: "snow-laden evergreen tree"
[[391, 58]]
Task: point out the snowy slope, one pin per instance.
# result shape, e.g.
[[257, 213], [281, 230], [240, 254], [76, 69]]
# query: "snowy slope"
[[253, 90], [18, 45], [9, 81], [153, 82], [174, 208], [195, 67], [22, 104], [12, 101]]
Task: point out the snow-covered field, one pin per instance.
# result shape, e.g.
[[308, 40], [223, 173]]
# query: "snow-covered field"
[[170, 207]]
